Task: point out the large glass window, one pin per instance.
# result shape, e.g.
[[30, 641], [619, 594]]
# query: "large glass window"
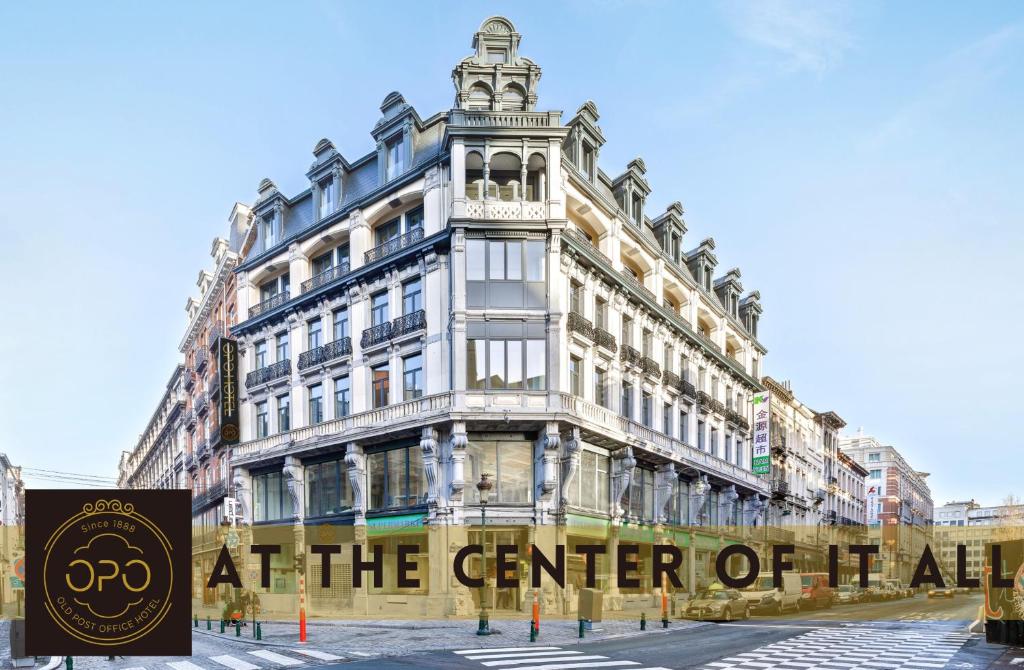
[[601, 387], [388, 231], [313, 334], [323, 263], [626, 409], [639, 497], [269, 496], [284, 413], [590, 487], [505, 362], [396, 478], [341, 323], [647, 409], [326, 197], [262, 428], [412, 377], [510, 464], [328, 490], [505, 273], [575, 373], [316, 404], [412, 296], [476, 261], [379, 308], [380, 385], [476, 364], [282, 346], [342, 397], [535, 257], [261, 354], [395, 158]]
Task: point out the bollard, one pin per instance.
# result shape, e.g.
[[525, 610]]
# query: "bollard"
[[259, 631], [643, 620], [664, 622], [222, 625], [195, 621], [581, 629], [238, 629], [536, 612], [533, 632], [207, 622], [483, 625], [69, 662]]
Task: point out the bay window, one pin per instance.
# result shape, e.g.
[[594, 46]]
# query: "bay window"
[[328, 490], [396, 478], [269, 494], [510, 464], [506, 356], [505, 273]]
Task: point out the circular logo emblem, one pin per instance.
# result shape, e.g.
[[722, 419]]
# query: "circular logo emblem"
[[107, 574], [230, 432]]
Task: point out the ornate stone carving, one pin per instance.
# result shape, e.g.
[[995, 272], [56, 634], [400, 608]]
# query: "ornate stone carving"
[[623, 464], [355, 462], [293, 477], [725, 502], [699, 500], [570, 463], [428, 444], [460, 440], [665, 481], [550, 441], [243, 494]]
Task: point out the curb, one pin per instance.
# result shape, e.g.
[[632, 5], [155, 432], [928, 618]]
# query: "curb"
[[231, 638], [53, 663]]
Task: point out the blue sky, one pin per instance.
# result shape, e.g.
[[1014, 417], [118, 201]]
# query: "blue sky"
[[860, 162]]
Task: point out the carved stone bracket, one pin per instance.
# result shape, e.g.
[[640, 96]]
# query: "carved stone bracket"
[[726, 500], [243, 493], [355, 462], [665, 480], [293, 477], [570, 463], [550, 441], [623, 464], [460, 440], [431, 459]]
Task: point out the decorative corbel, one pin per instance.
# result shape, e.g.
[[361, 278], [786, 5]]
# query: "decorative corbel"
[[570, 462], [355, 462], [623, 464], [550, 441], [665, 480], [460, 440], [243, 494], [293, 477], [428, 444]]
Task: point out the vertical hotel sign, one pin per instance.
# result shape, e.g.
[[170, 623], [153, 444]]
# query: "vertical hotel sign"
[[761, 453], [227, 361]]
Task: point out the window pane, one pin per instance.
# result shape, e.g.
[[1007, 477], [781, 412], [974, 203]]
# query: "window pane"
[[535, 260], [536, 364], [475, 260], [480, 458], [375, 472], [515, 261], [476, 371], [588, 480], [514, 360], [396, 478], [417, 480], [515, 471], [496, 363], [496, 256]]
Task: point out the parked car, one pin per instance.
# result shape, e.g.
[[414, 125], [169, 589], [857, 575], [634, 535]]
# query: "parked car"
[[895, 589], [815, 591], [763, 596], [941, 592], [848, 594], [718, 605]]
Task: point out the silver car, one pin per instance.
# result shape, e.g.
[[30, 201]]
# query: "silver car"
[[718, 605]]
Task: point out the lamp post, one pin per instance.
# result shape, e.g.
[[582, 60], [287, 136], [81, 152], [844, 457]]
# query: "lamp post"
[[483, 488]]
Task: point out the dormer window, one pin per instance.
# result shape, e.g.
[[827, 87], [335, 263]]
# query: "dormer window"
[[479, 98], [271, 231], [497, 56], [327, 203], [587, 161], [395, 157], [707, 277], [638, 209]]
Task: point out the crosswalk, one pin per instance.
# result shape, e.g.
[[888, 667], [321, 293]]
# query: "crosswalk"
[[259, 659], [544, 658], [853, 648]]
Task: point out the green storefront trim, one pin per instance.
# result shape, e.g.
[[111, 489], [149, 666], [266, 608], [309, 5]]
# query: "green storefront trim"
[[402, 524], [577, 524], [708, 542]]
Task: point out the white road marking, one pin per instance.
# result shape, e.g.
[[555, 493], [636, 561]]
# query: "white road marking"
[[184, 665], [276, 658], [498, 649], [233, 663], [521, 654], [322, 655], [548, 661]]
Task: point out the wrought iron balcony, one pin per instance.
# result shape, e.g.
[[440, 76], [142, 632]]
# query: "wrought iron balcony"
[[202, 449], [780, 488], [393, 245], [216, 330], [376, 335], [213, 384], [202, 357], [209, 497], [190, 418], [633, 281], [188, 376], [779, 445], [409, 323], [190, 461], [326, 352], [214, 438], [688, 389], [670, 379], [325, 277], [578, 324], [737, 419], [650, 366], [776, 535], [270, 303], [629, 355], [603, 338], [819, 495], [201, 402], [269, 373]]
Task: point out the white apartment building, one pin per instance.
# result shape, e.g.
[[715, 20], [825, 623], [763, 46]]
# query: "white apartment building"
[[151, 463], [477, 296]]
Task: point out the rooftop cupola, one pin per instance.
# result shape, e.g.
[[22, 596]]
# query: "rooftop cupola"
[[701, 262], [728, 289], [496, 77], [585, 140], [750, 311], [631, 190], [669, 229]]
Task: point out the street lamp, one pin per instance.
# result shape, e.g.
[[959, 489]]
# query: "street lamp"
[[483, 488]]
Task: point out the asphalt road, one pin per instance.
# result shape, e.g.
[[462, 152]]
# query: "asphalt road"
[[929, 633]]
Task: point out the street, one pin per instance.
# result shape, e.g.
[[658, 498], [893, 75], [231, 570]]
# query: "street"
[[915, 634]]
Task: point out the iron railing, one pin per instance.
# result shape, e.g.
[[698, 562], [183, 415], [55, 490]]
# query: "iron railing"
[[201, 359], [325, 352], [393, 245], [780, 488], [326, 277], [189, 378], [376, 335], [270, 303], [409, 323], [579, 324], [688, 389], [217, 330], [201, 402], [638, 283], [670, 379], [603, 338], [269, 373], [629, 355], [650, 366]]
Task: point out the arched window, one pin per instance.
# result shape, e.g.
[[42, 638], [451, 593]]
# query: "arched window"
[[535, 178], [513, 99], [474, 176], [479, 97], [505, 178]]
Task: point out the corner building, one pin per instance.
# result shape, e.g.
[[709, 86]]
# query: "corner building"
[[477, 296]]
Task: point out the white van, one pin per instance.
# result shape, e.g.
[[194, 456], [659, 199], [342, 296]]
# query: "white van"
[[765, 598]]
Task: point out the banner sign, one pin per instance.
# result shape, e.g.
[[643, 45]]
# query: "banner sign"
[[227, 360], [761, 454]]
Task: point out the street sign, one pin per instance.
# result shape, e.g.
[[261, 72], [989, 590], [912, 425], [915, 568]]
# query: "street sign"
[[761, 458], [17, 583], [19, 568]]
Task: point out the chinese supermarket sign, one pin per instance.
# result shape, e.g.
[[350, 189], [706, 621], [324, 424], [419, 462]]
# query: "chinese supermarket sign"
[[761, 455]]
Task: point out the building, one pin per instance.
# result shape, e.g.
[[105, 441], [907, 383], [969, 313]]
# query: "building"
[[476, 295], [12, 493], [967, 523], [12, 535], [817, 493], [899, 505], [152, 463], [204, 465]]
